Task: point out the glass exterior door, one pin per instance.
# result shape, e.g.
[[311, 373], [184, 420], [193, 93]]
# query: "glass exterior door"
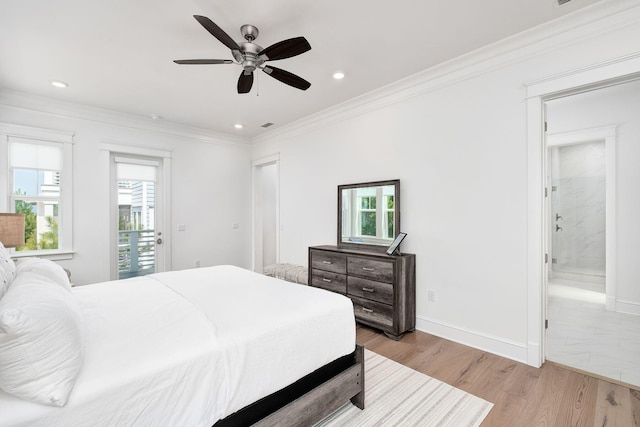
[[136, 228], [139, 241]]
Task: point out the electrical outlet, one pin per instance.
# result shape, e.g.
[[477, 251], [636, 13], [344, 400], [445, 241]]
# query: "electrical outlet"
[[431, 295]]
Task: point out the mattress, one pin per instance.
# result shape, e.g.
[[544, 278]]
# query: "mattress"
[[187, 348]]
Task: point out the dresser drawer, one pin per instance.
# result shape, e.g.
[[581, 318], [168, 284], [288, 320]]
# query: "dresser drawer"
[[381, 287], [371, 312], [330, 281], [380, 271], [329, 261], [365, 288]]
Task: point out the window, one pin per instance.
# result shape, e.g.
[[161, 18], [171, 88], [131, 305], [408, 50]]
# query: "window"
[[368, 216], [37, 175], [375, 209]]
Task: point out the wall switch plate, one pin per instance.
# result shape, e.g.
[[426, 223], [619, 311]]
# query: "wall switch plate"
[[181, 227]]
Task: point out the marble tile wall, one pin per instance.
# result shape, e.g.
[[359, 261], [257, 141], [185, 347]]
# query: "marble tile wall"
[[579, 198]]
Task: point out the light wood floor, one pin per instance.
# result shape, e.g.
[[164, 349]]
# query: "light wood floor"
[[523, 396]]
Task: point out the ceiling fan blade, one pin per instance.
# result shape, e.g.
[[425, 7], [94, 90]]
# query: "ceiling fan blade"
[[217, 32], [287, 77], [286, 49], [202, 61], [245, 82]]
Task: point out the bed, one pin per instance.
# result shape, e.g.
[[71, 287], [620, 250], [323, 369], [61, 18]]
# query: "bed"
[[212, 346]]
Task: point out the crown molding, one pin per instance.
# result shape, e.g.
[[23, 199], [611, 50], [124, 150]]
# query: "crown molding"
[[19, 101], [597, 19]]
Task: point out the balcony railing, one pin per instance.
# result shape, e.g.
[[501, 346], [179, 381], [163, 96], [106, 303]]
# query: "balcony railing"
[[136, 253]]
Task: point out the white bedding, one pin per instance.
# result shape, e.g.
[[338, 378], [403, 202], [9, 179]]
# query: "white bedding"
[[190, 347]]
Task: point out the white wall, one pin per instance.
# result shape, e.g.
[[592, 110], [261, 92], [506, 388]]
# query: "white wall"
[[456, 138], [617, 105], [210, 186]]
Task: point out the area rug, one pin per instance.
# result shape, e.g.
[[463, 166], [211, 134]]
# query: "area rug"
[[396, 395]]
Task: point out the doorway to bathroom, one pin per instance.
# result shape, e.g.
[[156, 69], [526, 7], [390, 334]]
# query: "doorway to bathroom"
[[592, 296], [578, 213]]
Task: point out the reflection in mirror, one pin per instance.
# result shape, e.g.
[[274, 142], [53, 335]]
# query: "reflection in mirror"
[[369, 213]]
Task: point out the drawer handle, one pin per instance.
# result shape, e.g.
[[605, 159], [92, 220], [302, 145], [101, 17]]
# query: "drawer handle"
[[324, 279], [368, 268], [367, 310], [368, 290], [327, 262]]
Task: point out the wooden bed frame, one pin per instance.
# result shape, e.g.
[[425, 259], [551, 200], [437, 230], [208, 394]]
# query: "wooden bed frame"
[[310, 399]]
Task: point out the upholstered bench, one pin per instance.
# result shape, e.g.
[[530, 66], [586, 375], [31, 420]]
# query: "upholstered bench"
[[289, 272]]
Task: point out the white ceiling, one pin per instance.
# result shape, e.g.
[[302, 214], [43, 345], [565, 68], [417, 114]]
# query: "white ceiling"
[[117, 54]]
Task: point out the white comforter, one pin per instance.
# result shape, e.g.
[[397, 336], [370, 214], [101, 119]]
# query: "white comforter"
[[190, 347]]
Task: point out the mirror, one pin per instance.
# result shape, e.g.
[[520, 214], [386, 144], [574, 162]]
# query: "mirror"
[[368, 214]]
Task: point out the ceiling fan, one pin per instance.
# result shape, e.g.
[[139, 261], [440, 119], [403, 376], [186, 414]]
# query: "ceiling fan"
[[252, 57]]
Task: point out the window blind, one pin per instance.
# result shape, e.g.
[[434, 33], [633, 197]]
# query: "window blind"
[[28, 154], [128, 169]]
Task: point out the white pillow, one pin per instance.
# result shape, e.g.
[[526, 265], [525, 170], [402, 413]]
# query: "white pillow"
[[7, 269], [46, 268], [40, 340], [4, 283]]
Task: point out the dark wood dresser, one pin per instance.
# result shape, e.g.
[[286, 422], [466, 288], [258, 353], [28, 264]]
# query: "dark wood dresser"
[[382, 287]]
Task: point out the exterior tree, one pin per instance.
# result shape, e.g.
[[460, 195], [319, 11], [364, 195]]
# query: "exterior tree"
[[49, 239], [30, 224]]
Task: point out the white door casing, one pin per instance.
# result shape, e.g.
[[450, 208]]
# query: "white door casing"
[[588, 78], [162, 203]]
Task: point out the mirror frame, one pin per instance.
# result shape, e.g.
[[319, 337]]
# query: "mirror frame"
[[368, 246]]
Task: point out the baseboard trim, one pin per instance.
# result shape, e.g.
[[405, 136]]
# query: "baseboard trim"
[[506, 348], [627, 307]]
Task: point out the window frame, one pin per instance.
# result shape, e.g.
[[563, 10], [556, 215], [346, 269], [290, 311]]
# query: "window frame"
[[63, 140]]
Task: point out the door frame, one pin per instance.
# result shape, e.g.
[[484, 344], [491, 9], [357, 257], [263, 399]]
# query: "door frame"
[[591, 77], [607, 134], [163, 221], [256, 213]]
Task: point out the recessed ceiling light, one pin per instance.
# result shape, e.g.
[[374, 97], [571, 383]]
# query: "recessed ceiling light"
[[238, 126], [338, 76], [156, 117], [58, 83]]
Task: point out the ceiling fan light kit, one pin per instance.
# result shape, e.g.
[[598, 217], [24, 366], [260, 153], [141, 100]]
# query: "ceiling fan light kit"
[[252, 57]]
